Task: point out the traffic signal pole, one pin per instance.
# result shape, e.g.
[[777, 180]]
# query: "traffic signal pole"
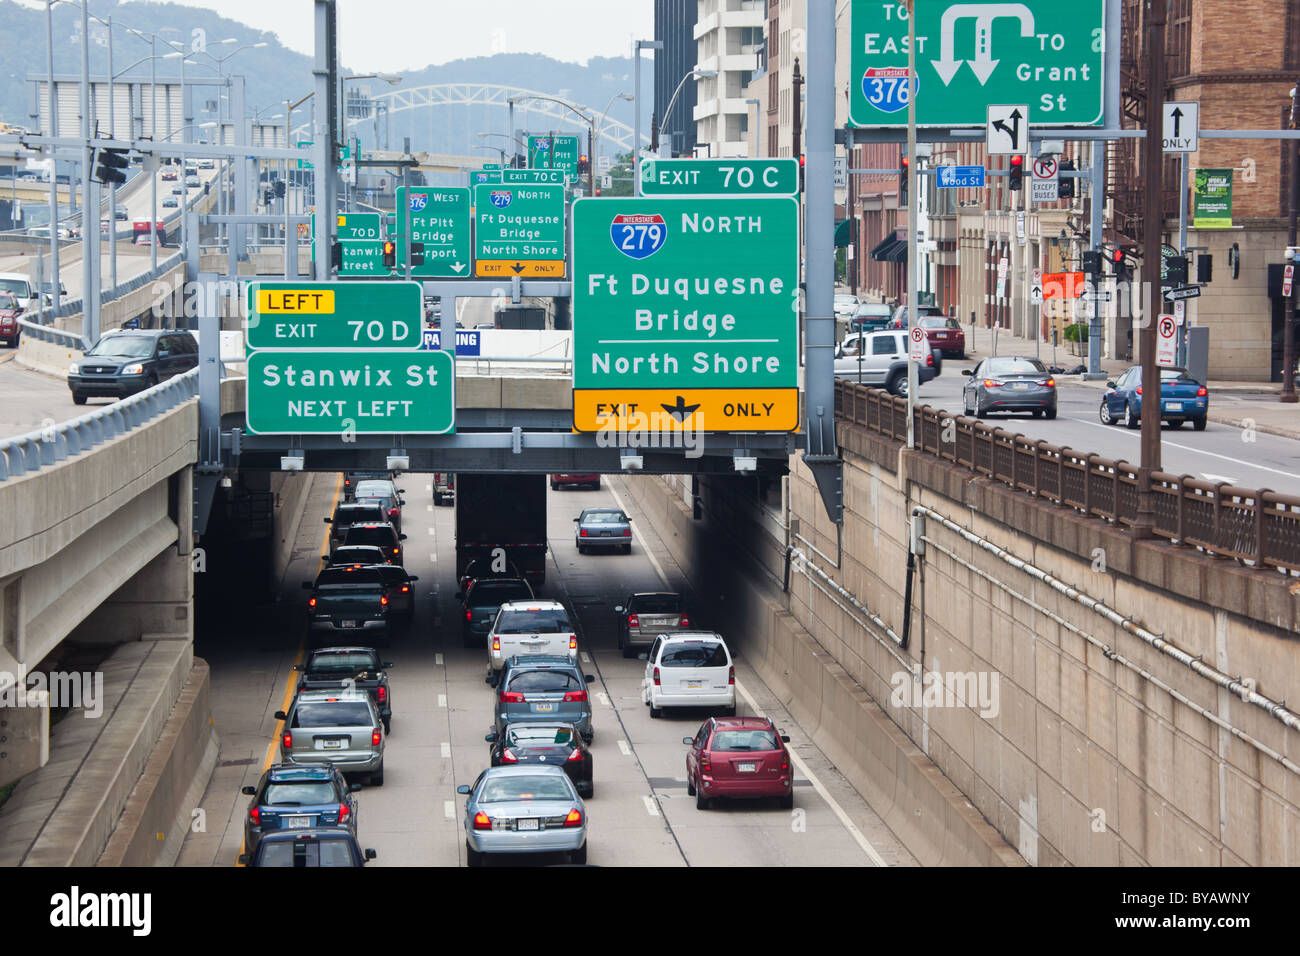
[[1153, 175]]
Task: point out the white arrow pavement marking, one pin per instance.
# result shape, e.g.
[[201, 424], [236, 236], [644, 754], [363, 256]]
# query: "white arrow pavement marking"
[[585, 658], [431, 529], [650, 807], [624, 749], [449, 809], [445, 748], [437, 660], [442, 700], [603, 698]]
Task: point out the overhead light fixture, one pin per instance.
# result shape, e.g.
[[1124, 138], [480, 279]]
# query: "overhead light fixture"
[[630, 462], [745, 462], [291, 462], [399, 460]]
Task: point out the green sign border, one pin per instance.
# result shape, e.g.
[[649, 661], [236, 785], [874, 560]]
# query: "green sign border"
[[707, 166], [353, 288]]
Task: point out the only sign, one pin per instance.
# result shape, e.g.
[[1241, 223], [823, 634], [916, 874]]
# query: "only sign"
[[919, 345]]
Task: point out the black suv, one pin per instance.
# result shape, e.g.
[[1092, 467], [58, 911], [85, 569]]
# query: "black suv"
[[348, 513], [127, 361]]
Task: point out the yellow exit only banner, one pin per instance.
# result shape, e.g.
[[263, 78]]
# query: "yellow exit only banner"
[[692, 409], [526, 268]]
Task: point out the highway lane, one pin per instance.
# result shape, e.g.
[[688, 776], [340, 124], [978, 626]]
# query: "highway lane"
[[29, 400], [1220, 453], [640, 814]]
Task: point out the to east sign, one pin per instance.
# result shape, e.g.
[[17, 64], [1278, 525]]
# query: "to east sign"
[[334, 315], [703, 177], [1041, 52], [357, 391], [685, 310]]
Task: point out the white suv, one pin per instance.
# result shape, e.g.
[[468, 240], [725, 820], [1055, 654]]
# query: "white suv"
[[689, 669], [529, 628]]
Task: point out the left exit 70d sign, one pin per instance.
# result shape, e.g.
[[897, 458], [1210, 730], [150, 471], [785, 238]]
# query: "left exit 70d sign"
[[334, 315]]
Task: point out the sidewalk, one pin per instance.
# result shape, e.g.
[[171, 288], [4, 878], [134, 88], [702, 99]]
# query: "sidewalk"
[[1245, 404]]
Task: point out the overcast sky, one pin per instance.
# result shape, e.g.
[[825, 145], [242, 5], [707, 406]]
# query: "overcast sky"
[[395, 35]]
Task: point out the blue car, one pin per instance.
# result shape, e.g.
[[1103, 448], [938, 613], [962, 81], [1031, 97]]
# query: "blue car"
[[1182, 399], [298, 798]]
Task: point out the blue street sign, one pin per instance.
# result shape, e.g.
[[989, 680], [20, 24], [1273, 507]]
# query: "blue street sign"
[[959, 177], [467, 341]]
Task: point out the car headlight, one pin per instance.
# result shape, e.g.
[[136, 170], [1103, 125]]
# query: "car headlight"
[[135, 368], [74, 368]]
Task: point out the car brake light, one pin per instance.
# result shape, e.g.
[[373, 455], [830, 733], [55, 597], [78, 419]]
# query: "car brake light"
[[406, 588], [706, 763], [1202, 392], [633, 621], [573, 642], [576, 755], [1050, 383], [731, 675], [511, 697], [381, 694], [582, 532], [287, 740], [311, 602], [376, 736], [469, 615], [392, 512], [255, 815], [575, 696], [574, 819], [343, 812], [481, 821], [394, 552], [383, 600], [685, 621], [656, 677], [929, 360], [508, 756], [991, 383], [496, 643]]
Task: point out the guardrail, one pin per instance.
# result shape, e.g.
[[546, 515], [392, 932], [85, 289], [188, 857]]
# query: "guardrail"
[[42, 448], [1254, 525]]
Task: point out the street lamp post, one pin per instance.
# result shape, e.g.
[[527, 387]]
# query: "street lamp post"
[[153, 134], [601, 129], [53, 106], [697, 74], [636, 121]]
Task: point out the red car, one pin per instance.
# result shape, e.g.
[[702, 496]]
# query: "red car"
[[945, 334], [10, 309], [592, 481], [738, 757]]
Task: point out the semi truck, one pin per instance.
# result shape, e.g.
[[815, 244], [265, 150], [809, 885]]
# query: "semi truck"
[[501, 519]]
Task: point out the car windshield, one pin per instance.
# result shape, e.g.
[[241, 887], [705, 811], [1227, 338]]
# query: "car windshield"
[[496, 593], [16, 286], [359, 554], [300, 794], [693, 655], [656, 604], [326, 852], [374, 489], [538, 621], [383, 537], [512, 788], [128, 346], [543, 681], [354, 514], [1014, 366], [525, 735], [933, 322], [1178, 375], [342, 575], [881, 311], [604, 517], [351, 663], [7, 301], [756, 739], [336, 713]]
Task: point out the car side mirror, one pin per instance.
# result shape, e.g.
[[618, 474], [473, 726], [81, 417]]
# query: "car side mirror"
[[413, 577], [296, 667], [371, 855], [354, 788], [281, 715], [575, 519], [389, 665], [401, 491], [401, 537], [490, 738], [248, 791], [243, 859], [689, 741], [839, 351], [968, 371], [1111, 385], [643, 657], [462, 789], [329, 520], [618, 609], [785, 738], [591, 678]]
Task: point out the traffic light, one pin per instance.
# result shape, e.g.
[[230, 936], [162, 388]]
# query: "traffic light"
[[111, 163], [279, 189], [1092, 262], [1016, 173], [390, 254], [1065, 185], [1119, 264], [1204, 268], [336, 256], [417, 253], [1176, 270], [584, 165], [802, 161], [902, 181]]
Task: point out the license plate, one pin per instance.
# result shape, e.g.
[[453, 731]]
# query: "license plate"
[[543, 708], [297, 823], [694, 684], [332, 744], [1020, 387], [529, 824], [347, 623], [1173, 406], [535, 648], [747, 767]]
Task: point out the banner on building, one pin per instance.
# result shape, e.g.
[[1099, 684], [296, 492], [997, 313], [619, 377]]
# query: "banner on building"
[[1212, 199]]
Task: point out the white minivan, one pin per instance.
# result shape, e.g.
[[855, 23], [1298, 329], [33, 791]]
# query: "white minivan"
[[530, 628], [21, 287], [689, 669]]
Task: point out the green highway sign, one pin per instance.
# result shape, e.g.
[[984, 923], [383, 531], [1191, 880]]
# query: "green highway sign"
[[440, 219], [479, 177], [358, 391], [533, 177], [554, 152], [1041, 52], [490, 166], [703, 177], [686, 310], [334, 315], [363, 247], [304, 145], [519, 230], [359, 225]]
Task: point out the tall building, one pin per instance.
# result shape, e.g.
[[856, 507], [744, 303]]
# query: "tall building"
[[675, 29], [729, 36]]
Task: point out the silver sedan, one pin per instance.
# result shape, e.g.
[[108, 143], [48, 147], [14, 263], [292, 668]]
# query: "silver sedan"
[[524, 809]]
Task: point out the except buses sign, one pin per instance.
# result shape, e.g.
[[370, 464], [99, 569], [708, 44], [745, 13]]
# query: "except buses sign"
[[519, 230], [702, 177], [685, 314]]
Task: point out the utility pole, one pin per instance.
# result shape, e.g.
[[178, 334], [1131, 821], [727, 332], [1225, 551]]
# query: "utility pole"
[[796, 118], [1288, 395], [1153, 176], [852, 215], [53, 106]]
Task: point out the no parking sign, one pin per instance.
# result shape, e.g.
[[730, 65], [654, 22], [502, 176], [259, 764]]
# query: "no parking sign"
[[1166, 341], [920, 345]]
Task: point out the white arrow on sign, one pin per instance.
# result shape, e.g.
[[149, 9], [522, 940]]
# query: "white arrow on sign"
[[983, 14], [1007, 130], [456, 266], [1181, 127]]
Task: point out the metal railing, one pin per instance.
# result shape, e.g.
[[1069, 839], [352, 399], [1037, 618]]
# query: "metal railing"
[[47, 446], [1256, 526]]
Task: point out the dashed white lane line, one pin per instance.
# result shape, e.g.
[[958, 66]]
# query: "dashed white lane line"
[[429, 507], [650, 807], [637, 534], [603, 698], [446, 749], [802, 767], [586, 658], [449, 809], [442, 700], [1198, 451], [437, 660], [624, 749], [428, 487], [430, 532]]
